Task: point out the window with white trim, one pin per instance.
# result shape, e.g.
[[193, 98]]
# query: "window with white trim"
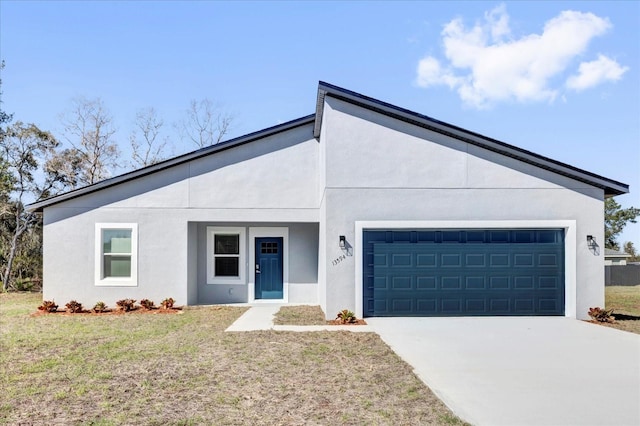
[[225, 255], [116, 262]]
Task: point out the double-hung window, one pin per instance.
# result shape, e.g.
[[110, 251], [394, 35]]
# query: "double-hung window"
[[225, 255], [116, 254]]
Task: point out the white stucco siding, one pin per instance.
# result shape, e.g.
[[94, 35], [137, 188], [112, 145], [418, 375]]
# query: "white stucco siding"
[[529, 208], [278, 172], [171, 255], [380, 169], [167, 188], [273, 180], [70, 262], [365, 149]]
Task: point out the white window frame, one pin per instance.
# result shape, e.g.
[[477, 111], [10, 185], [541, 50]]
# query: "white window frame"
[[212, 231], [100, 279]]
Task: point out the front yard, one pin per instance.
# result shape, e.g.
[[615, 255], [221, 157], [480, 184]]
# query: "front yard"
[[185, 370]]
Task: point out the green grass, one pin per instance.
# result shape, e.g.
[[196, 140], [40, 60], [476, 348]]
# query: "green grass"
[[625, 302], [183, 369], [623, 299]]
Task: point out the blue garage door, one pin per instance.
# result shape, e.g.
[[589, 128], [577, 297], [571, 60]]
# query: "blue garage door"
[[463, 272]]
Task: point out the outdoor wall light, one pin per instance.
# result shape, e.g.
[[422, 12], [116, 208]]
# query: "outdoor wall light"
[[591, 242], [343, 242]]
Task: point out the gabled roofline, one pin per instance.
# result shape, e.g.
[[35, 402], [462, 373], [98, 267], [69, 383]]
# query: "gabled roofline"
[[611, 187], [203, 152]]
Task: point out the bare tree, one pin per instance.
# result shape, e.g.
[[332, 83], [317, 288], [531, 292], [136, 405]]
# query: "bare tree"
[[88, 127], [25, 153], [205, 123], [147, 147]]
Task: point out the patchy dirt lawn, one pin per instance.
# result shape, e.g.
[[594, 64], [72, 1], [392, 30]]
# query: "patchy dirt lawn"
[[300, 315], [185, 370]]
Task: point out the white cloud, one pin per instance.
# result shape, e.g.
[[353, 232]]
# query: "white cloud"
[[592, 73], [487, 64]]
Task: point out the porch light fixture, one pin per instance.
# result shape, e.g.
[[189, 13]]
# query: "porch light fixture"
[[591, 242], [343, 242]]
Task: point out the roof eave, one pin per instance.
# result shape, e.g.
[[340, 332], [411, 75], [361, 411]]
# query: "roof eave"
[[270, 131]]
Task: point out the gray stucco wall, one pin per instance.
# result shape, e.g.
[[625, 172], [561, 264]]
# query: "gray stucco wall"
[[381, 169], [366, 167], [272, 181]]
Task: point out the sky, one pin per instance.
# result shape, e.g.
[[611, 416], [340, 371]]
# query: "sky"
[[561, 79]]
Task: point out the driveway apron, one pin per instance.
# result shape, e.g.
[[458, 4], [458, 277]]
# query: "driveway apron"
[[522, 370]]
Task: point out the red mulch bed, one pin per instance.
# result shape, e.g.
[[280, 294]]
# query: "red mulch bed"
[[338, 322], [142, 311]]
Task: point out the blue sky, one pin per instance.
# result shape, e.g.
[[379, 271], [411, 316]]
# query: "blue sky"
[[561, 79]]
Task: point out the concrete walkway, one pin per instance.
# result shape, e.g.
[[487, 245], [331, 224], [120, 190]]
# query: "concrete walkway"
[[260, 317], [523, 371]]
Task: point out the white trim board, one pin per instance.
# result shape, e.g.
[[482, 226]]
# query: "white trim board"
[[569, 227]]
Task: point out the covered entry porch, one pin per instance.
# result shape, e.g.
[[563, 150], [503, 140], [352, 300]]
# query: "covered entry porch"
[[252, 262]]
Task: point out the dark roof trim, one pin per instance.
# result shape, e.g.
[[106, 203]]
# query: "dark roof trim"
[[203, 152], [611, 187]]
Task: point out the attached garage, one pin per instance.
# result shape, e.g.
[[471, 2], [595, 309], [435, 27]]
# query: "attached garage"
[[463, 272]]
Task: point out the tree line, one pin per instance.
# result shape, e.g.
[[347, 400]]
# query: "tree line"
[[35, 164]]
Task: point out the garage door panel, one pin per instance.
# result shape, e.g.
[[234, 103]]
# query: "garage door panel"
[[509, 272], [523, 283], [521, 260], [548, 305], [525, 306], [499, 260], [475, 283], [401, 283], [551, 283], [478, 306], [478, 260], [426, 283], [548, 260], [426, 260], [499, 283]]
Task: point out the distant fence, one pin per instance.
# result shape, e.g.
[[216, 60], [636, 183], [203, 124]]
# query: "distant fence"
[[622, 275]]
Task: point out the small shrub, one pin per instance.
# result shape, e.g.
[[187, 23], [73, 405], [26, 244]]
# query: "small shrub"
[[99, 307], [346, 316], [74, 307], [168, 303], [23, 284], [126, 304], [48, 306], [602, 315], [147, 304]]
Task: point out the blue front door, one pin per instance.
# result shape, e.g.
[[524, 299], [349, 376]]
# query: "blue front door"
[[268, 268]]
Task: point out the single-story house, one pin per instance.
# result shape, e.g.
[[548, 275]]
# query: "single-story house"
[[361, 205], [615, 257]]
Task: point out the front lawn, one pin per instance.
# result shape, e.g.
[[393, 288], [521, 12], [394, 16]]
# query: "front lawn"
[[625, 302], [185, 370]]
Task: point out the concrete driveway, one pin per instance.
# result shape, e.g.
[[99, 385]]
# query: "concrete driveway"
[[522, 370]]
